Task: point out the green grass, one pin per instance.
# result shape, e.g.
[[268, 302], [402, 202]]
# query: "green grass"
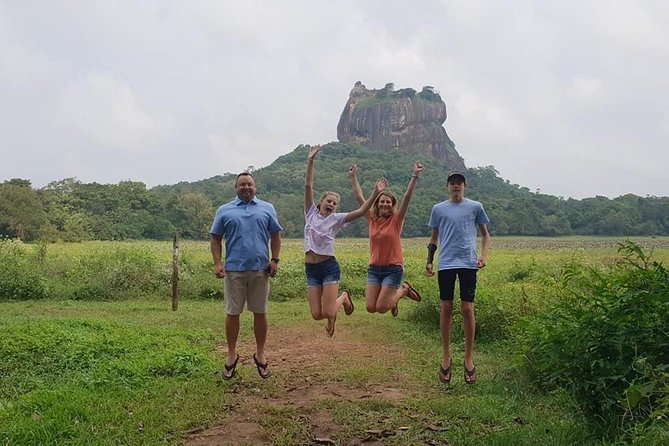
[[131, 371], [138, 373], [85, 372]]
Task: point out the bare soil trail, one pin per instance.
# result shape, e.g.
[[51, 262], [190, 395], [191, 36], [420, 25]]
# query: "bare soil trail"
[[309, 371]]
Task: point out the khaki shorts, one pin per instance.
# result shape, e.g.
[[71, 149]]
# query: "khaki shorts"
[[246, 287]]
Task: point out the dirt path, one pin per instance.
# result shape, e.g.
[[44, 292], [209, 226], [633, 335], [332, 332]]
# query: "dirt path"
[[306, 372]]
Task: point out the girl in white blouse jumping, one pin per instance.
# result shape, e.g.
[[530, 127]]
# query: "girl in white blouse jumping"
[[322, 223]]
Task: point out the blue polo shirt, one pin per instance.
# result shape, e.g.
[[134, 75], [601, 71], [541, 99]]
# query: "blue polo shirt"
[[246, 228]]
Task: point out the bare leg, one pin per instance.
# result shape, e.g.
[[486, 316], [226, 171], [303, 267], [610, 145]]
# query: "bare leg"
[[389, 297], [331, 301], [343, 300], [372, 297], [314, 295], [231, 335], [260, 332], [469, 325], [445, 323]]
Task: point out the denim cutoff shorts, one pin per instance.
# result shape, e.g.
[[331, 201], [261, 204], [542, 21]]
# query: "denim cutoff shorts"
[[390, 276], [322, 273]]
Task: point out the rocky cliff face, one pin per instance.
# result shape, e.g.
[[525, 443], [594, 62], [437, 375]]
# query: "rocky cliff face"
[[405, 120]]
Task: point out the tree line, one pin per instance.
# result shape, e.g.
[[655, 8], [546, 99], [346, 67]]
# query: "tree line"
[[70, 210]]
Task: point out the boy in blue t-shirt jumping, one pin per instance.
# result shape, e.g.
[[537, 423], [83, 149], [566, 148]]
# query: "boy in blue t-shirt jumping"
[[454, 224]]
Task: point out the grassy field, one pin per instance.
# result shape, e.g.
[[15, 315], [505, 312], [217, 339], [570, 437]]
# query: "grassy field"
[[86, 365]]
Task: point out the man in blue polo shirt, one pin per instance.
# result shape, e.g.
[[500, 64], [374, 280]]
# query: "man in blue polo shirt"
[[454, 223], [248, 226]]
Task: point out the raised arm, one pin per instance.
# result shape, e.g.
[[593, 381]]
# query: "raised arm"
[[355, 185], [309, 179], [406, 199], [381, 184]]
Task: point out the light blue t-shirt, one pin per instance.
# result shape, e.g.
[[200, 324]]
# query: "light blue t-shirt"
[[457, 224], [246, 228]]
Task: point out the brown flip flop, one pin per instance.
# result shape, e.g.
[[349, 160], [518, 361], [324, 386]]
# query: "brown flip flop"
[[350, 301], [331, 330], [413, 292]]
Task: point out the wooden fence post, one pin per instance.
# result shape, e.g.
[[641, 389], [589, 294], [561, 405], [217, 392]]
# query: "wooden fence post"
[[175, 273]]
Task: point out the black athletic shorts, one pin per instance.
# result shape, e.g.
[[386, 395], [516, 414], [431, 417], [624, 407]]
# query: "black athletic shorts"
[[467, 279]]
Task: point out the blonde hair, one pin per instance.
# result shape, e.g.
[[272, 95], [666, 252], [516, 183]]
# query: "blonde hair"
[[375, 207], [325, 194]]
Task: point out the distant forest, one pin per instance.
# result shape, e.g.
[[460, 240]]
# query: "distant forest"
[[70, 210]]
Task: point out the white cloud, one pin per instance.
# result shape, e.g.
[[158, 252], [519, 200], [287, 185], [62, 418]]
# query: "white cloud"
[[482, 122], [236, 154], [107, 110], [588, 91], [548, 92], [21, 67]]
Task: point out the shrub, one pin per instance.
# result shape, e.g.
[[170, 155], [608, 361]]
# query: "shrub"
[[425, 314], [497, 309], [19, 278], [520, 272], [606, 340], [196, 278], [116, 273]]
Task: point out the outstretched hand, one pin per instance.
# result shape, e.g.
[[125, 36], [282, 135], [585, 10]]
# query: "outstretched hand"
[[313, 152], [417, 168], [380, 185], [353, 170]]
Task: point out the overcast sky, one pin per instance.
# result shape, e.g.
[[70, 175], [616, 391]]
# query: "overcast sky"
[[568, 97]]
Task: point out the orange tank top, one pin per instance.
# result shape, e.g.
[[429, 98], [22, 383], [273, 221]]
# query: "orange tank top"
[[385, 245]]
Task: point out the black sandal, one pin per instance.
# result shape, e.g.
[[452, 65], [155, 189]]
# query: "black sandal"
[[470, 375], [262, 368], [445, 372], [230, 369]]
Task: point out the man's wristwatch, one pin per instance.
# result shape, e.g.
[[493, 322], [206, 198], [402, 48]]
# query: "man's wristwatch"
[[274, 259]]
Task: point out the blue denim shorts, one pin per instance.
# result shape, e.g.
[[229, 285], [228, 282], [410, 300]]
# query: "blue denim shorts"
[[322, 273], [390, 276]]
